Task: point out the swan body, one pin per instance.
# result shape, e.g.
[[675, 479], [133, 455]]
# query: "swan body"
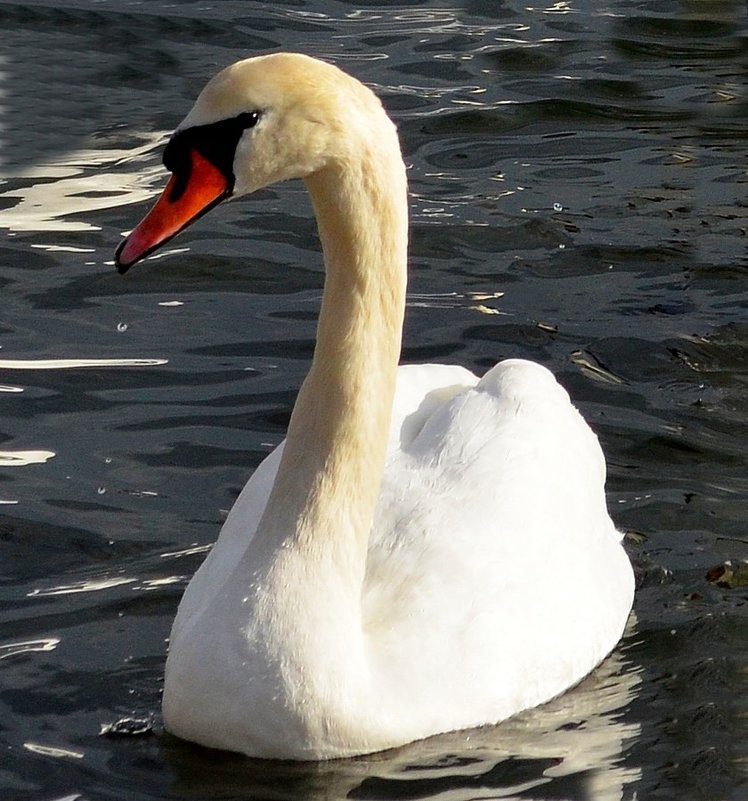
[[426, 551]]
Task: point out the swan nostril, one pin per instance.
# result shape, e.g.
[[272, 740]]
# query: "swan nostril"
[[181, 181], [176, 153]]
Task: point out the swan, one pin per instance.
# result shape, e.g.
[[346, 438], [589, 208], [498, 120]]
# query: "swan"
[[427, 551]]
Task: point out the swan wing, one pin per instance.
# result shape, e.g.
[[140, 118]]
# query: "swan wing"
[[420, 390], [235, 535], [493, 567]]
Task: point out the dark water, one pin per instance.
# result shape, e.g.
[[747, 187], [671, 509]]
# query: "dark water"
[[585, 159]]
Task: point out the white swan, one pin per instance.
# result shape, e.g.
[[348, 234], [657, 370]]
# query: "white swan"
[[427, 551]]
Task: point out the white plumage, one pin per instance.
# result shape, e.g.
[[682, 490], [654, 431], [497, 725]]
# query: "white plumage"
[[427, 551]]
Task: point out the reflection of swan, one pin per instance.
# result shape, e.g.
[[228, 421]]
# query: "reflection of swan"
[[372, 588], [577, 746]]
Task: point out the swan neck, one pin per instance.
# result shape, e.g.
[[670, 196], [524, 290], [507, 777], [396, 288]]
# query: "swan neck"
[[330, 474]]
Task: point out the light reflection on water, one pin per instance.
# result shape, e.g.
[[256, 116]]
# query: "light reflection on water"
[[578, 187], [70, 191], [75, 364], [23, 458], [570, 748]]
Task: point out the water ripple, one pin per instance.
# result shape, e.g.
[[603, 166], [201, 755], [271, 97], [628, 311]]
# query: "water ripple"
[[23, 458], [75, 364], [45, 645], [577, 168]]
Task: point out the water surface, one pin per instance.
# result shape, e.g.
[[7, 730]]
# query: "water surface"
[[578, 180]]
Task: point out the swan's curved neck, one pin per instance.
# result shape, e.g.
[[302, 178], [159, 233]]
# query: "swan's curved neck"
[[329, 477]]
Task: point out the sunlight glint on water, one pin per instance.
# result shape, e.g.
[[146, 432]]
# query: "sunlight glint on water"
[[577, 180]]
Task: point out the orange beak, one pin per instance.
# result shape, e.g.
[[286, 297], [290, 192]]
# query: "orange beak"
[[178, 206]]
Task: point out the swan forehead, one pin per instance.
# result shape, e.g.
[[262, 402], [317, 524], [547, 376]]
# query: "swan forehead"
[[279, 81]]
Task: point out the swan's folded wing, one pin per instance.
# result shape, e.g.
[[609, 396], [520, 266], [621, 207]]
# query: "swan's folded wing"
[[233, 540], [421, 389], [493, 557]]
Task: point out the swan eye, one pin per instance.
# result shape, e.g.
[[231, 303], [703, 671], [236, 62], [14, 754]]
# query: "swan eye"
[[248, 119], [216, 141]]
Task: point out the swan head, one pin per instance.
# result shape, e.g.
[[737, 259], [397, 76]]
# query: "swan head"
[[259, 121]]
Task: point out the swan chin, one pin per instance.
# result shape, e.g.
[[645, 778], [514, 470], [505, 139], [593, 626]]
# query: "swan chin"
[[370, 585]]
